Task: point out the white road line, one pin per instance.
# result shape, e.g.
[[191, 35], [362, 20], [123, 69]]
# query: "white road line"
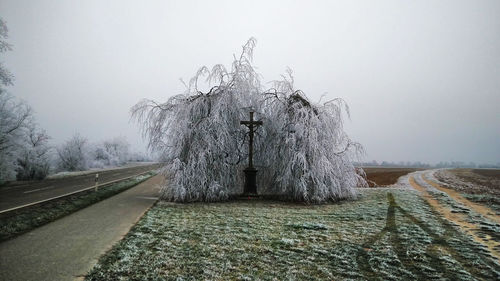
[[148, 198], [71, 193], [39, 189]]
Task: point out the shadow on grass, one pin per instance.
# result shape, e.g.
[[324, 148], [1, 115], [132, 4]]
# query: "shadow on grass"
[[434, 250]]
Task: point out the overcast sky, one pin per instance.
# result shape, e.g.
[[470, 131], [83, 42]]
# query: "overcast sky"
[[422, 78]]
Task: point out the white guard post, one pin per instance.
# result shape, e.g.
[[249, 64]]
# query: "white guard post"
[[96, 181]]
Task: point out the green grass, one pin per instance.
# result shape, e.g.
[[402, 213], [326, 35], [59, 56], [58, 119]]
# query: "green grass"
[[385, 235], [23, 220]]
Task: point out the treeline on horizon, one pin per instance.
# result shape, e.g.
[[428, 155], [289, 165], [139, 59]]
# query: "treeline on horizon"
[[418, 164]]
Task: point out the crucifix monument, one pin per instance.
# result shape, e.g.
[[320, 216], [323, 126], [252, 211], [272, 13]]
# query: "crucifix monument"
[[250, 172]]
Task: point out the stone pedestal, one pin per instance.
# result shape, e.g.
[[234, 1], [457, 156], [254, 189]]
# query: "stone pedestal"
[[250, 188]]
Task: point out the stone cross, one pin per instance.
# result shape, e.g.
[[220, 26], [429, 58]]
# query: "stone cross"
[[250, 171]]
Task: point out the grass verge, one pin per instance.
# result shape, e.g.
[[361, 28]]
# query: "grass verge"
[[23, 220], [388, 234]]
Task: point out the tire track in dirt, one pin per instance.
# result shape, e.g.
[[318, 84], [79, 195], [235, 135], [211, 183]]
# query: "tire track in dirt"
[[459, 219], [455, 195], [440, 244]]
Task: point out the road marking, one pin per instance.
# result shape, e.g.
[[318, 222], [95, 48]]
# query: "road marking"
[[68, 194], [39, 189], [149, 198]]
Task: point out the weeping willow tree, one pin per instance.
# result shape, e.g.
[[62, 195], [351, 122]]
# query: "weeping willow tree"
[[199, 133], [302, 151]]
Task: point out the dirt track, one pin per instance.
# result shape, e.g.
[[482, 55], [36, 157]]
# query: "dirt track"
[[477, 220]]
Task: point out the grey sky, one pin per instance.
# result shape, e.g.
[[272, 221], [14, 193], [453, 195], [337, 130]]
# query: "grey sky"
[[422, 78]]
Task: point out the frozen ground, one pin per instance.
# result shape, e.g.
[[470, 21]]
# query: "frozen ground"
[[388, 234], [478, 220], [478, 185]]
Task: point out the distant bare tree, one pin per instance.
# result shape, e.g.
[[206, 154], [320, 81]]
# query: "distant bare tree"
[[33, 161], [73, 154], [112, 152], [5, 76], [13, 121], [14, 118]]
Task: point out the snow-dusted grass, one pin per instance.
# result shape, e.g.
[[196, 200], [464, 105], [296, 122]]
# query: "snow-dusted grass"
[[23, 220], [388, 234], [489, 200], [473, 185]]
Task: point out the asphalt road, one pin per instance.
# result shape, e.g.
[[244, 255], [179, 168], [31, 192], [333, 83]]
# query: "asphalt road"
[[68, 248], [19, 193]]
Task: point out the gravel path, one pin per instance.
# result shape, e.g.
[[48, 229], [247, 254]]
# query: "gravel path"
[[68, 248]]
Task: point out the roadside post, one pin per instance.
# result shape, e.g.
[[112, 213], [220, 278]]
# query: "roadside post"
[[96, 181]]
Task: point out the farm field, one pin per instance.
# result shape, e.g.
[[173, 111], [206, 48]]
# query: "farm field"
[[411, 231], [382, 176]]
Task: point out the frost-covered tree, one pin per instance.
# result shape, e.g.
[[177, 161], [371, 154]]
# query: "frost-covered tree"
[[23, 147], [303, 152], [306, 153], [73, 154], [112, 152], [14, 117], [5, 76], [34, 159]]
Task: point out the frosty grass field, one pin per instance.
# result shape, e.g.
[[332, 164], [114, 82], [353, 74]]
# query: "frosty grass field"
[[388, 234]]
